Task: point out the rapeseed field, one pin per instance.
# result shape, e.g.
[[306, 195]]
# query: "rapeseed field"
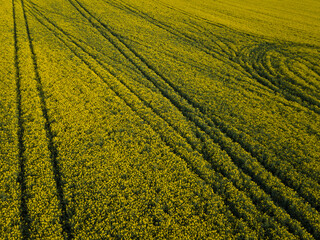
[[167, 119]]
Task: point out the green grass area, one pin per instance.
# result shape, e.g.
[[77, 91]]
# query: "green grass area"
[[136, 119]]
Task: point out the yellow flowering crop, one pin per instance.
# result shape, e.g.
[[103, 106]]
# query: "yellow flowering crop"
[[140, 119]]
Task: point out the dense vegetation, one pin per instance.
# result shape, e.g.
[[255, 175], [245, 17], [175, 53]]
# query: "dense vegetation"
[[139, 119]]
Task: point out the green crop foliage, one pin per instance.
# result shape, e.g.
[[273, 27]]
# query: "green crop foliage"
[[139, 119]]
